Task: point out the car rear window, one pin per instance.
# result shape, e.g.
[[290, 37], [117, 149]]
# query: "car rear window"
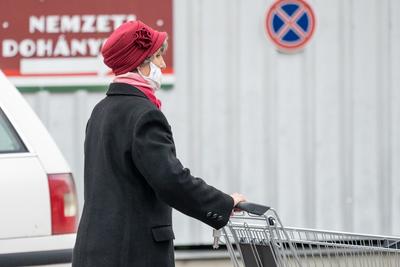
[[10, 142]]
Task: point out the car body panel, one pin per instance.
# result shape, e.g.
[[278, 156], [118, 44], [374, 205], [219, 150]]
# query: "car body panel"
[[24, 198], [37, 244]]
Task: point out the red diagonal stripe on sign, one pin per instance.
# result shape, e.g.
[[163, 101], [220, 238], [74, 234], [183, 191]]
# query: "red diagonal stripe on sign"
[[290, 22]]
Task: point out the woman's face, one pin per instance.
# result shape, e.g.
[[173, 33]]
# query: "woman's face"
[[158, 60]]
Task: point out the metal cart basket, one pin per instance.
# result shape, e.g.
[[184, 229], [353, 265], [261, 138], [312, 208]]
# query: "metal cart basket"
[[257, 238]]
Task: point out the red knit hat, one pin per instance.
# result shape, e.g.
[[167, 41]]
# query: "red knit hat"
[[129, 45]]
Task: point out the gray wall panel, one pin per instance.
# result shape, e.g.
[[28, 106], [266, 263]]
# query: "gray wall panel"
[[394, 85], [315, 134]]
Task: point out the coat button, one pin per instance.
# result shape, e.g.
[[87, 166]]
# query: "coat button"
[[209, 214], [215, 215], [220, 218]]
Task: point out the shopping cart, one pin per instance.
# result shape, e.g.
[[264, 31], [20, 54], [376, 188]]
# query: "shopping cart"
[[256, 237]]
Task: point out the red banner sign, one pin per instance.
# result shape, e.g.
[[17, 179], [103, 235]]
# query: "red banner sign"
[[51, 37]]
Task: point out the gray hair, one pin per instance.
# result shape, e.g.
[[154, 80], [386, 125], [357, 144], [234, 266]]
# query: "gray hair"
[[164, 47]]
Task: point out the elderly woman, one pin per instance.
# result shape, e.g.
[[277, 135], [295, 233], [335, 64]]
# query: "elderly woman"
[[132, 174]]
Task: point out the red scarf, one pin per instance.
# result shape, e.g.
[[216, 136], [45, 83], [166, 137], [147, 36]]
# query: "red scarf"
[[137, 81]]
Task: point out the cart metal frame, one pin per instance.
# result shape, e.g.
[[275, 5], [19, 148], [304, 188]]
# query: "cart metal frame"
[[256, 237]]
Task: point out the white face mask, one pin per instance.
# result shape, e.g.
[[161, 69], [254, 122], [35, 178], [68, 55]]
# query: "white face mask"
[[155, 76]]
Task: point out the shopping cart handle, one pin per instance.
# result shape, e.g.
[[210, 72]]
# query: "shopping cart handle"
[[252, 208]]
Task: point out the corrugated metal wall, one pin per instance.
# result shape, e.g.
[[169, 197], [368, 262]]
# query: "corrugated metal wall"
[[314, 134]]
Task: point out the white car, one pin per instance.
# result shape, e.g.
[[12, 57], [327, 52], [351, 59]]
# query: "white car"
[[38, 204]]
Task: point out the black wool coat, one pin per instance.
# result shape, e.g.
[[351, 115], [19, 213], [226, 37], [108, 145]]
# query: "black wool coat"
[[132, 179]]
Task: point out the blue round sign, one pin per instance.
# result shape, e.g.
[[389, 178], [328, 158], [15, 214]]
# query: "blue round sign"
[[290, 24]]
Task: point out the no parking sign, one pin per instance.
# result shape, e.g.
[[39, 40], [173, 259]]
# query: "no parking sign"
[[290, 24]]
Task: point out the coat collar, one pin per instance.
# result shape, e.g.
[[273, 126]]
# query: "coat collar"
[[124, 89]]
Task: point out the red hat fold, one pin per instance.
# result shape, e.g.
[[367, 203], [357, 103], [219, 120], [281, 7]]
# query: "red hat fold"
[[129, 45]]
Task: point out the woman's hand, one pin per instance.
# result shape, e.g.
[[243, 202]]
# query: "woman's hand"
[[237, 198]]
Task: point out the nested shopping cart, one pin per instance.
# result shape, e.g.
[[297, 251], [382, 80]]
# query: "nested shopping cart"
[[256, 237]]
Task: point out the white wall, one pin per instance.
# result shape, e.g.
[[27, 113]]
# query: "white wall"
[[315, 134]]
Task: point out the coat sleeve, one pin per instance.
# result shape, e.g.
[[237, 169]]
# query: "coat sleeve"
[[153, 153]]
